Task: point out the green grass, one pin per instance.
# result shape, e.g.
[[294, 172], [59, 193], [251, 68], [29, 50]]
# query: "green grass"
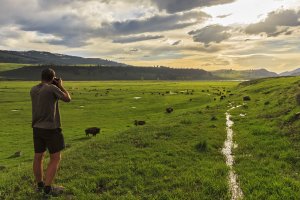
[[11, 66], [174, 156], [268, 156]]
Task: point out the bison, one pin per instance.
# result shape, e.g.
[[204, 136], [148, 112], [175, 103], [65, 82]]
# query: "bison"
[[246, 98], [93, 131], [169, 110], [139, 123]]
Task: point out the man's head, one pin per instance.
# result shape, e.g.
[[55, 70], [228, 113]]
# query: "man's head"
[[48, 75]]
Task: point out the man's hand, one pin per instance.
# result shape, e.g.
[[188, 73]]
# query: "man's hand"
[[67, 97], [59, 83]]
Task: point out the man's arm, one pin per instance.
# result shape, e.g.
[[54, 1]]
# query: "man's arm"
[[66, 97]]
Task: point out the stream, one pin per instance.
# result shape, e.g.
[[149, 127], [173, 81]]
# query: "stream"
[[234, 186]]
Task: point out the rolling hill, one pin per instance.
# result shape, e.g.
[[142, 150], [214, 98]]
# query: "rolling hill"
[[243, 74], [109, 73], [42, 57], [295, 72]]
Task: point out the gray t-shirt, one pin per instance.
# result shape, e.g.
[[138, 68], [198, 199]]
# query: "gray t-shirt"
[[45, 111]]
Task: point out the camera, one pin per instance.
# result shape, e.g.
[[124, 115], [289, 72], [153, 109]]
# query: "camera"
[[55, 81]]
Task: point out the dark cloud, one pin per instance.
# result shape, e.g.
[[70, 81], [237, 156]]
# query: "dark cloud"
[[153, 24], [53, 3], [213, 33], [206, 49], [134, 50], [276, 23], [69, 28], [223, 16], [173, 6], [65, 24], [138, 38], [176, 43], [11, 10], [56, 4]]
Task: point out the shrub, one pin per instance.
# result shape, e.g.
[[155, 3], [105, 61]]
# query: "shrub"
[[298, 99], [202, 146], [186, 121], [261, 130], [294, 118]]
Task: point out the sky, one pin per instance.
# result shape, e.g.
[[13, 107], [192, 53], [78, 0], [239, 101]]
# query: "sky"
[[204, 34]]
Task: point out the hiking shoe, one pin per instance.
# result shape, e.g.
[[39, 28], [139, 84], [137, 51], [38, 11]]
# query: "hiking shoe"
[[40, 187], [54, 191]]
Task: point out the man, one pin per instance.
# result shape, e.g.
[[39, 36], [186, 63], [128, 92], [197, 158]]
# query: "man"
[[47, 132]]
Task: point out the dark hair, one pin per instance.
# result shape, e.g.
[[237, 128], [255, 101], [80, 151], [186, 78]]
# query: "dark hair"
[[48, 74]]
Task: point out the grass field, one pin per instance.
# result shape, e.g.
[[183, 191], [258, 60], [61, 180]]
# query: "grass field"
[[163, 159], [268, 155], [11, 66], [174, 156]]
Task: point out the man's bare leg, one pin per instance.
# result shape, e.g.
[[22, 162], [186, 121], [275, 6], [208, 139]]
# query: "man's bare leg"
[[52, 168], [38, 166]]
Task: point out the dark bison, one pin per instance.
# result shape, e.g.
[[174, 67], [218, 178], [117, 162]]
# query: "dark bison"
[[139, 123], [222, 97], [246, 98], [93, 131], [169, 110]]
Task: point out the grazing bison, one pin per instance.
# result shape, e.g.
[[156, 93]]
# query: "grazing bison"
[[213, 118], [139, 123], [222, 97], [246, 98], [93, 131], [169, 110], [18, 154]]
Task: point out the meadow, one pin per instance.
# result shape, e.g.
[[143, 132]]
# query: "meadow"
[[11, 66], [173, 156], [163, 159]]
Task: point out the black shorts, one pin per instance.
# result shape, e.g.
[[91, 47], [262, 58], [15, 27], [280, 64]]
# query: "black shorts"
[[51, 139]]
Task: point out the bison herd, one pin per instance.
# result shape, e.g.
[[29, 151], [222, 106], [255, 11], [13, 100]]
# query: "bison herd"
[[221, 93]]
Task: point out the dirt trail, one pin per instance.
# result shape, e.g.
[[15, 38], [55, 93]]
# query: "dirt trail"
[[234, 187]]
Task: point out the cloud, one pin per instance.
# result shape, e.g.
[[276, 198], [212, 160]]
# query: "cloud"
[[223, 16], [156, 23], [71, 30], [176, 42], [211, 34], [53, 3], [132, 39], [72, 24], [173, 6], [276, 23]]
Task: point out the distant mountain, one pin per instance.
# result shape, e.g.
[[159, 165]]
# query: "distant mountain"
[[109, 73], [243, 74], [295, 72], [42, 57]]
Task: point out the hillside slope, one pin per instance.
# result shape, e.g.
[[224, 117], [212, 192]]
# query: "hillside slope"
[[295, 72], [267, 133], [109, 73], [243, 74], [42, 57]]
